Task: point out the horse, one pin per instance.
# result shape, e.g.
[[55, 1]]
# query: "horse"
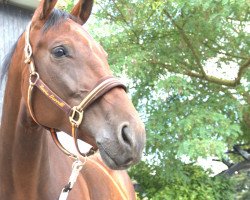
[[58, 79]]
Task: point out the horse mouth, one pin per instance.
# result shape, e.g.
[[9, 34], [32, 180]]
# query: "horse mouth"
[[111, 162]]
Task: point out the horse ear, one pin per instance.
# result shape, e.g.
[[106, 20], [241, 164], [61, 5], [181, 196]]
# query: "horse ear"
[[82, 10], [44, 9]]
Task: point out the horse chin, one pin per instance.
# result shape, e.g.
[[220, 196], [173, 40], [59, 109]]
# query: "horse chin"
[[110, 162]]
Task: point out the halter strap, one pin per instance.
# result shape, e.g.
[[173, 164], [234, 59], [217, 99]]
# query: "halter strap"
[[74, 113], [103, 87]]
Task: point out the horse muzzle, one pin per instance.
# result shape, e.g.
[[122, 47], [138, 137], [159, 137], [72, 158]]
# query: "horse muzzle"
[[126, 149]]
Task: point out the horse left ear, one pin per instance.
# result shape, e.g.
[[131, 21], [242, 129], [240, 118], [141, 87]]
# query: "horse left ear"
[[82, 10], [44, 9], [48, 6]]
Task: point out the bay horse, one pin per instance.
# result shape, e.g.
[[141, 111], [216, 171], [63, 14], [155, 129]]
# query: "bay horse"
[[58, 79]]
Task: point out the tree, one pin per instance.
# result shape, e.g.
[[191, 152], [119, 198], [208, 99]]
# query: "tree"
[[173, 52]]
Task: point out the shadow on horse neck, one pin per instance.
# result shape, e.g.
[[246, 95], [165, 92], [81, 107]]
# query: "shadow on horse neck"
[[71, 64]]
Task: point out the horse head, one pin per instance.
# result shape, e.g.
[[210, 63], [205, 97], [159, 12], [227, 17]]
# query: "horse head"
[[71, 63]]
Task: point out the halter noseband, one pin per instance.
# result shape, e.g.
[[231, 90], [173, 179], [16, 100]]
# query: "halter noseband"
[[74, 113]]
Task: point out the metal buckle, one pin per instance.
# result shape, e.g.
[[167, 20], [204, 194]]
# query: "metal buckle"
[[36, 75], [76, 117]]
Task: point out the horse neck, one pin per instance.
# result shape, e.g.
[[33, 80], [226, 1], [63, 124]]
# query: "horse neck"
[[24, 151]]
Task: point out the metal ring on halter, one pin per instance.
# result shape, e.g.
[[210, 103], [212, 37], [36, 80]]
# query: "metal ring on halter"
[[75, 117], [33, 82]]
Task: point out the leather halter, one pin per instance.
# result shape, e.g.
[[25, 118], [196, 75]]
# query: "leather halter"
[[74, 113]]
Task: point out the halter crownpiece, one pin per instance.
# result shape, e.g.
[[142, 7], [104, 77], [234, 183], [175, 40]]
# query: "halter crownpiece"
[[75, 113]]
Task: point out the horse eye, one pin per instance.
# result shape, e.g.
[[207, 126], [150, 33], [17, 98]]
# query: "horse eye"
[[59, 52]]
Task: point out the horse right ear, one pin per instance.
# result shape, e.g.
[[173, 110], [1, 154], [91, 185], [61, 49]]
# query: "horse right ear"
[[82, 10], [43, 10]]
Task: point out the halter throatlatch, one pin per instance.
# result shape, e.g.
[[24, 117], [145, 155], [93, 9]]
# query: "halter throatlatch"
[[74, 113]]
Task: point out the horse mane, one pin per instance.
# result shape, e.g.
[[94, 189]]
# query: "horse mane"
[[56, 17], [6, 62]]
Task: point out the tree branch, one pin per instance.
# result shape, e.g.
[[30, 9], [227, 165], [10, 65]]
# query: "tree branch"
[[242, 152], [213, 79], [221, 52], [224, 161], [187, 41], [237, 167], [125, 21], [242, 68]]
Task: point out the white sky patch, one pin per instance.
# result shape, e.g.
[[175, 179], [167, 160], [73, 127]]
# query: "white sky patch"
[[225, 71], [215, 166], [68, 143], [209, 163]]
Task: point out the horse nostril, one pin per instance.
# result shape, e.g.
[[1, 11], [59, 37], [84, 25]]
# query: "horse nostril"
[[126, 135]]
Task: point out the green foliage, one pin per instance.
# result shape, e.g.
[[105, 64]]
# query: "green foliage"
[[192, 123], [70, 5], [172, 52], [243, 185], [186, 182], [66, 5]]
